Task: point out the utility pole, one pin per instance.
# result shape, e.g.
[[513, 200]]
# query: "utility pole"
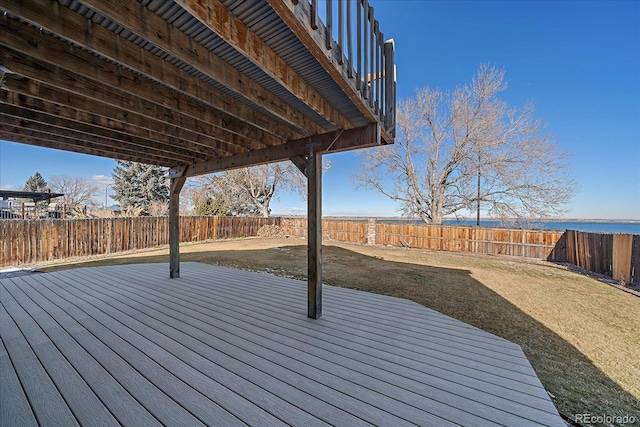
[[478, 196], [105, 195], [478, 202]]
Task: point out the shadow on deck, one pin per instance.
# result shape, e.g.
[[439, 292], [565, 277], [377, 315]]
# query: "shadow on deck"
[[125, 344], [554, 359], [221, 346]]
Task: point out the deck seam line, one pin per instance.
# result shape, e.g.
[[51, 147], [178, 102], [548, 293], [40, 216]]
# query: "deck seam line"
[[496, 408]]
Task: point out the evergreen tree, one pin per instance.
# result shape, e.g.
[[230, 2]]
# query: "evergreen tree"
[[137, 185], [36, 184]]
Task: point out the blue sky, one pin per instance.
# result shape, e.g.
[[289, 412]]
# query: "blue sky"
[[578, 61]]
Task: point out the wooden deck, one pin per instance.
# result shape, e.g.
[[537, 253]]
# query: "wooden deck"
[[218, 346]]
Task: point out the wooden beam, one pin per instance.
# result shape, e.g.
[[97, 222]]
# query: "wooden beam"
[[217, 17], [331, 142], [66, 117], [301, 163], [314, 234], [136, 18], [174, 226], [154, 100], [26, 132], [31, 77], [125, 65], [130, 122]]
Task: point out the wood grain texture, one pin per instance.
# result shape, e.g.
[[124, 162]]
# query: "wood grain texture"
[[237, 347], [15, 409], [48, 405]]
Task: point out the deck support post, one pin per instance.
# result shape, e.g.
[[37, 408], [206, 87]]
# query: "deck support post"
[[174, 226], [314, 233]]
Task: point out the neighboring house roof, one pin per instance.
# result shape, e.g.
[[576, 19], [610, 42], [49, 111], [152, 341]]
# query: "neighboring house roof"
[[36, 197]]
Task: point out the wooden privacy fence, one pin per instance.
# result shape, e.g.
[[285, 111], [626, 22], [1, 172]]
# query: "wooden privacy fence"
[[494, 241], [343, 230], [31, 241], [614, 255]]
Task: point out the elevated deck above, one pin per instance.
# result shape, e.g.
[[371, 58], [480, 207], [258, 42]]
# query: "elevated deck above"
[[187, 82], [199, 86]]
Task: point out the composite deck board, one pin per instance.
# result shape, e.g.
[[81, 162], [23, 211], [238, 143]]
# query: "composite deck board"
[[233, 356], [160, 375], [15, 409], [215, 311], [543, 391], [526, 398], [466, 421], [272, 316], [113, 379], [276, 300], [193, 369], [375, 311], [351, 325], [178, 295], [329, 394], [229, 347], [162, 409], [121, 404], [73, 388], [46, 401], [493, 399]]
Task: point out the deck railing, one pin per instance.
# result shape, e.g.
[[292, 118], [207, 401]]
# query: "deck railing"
[[353, 34]]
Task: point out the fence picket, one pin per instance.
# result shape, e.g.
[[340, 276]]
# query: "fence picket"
[[31, 241]]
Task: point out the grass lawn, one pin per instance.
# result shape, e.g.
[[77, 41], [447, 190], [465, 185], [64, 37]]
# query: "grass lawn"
[[581, 336]]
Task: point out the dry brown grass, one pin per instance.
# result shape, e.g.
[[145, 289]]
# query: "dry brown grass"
[[581, 336]]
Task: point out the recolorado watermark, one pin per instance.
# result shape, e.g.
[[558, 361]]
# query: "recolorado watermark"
[[605, 419]]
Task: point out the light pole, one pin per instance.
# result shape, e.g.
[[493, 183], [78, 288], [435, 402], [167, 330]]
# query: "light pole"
[[478, 197], [106, 189]]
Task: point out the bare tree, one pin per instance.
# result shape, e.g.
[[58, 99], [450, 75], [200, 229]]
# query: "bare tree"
[[77, 191], [259, 183], [457, 150], [158, 208], [247, 191], [217, 195]]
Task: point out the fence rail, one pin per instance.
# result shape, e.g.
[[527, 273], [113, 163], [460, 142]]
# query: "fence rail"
[[614, 255], [32, 241]]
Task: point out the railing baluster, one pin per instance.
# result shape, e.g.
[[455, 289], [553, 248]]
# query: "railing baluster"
[[371, 55], [390, 76], [341, 31], [349, 41], [380, 73], [328, 29], [314, 14], [359, 44], [372, 65], [376, 75], [365, 75], [383, 80]]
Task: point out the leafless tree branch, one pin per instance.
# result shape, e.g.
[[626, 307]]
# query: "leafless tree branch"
[[446, 140]]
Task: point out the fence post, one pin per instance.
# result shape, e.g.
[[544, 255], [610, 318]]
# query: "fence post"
[[371, 231]]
